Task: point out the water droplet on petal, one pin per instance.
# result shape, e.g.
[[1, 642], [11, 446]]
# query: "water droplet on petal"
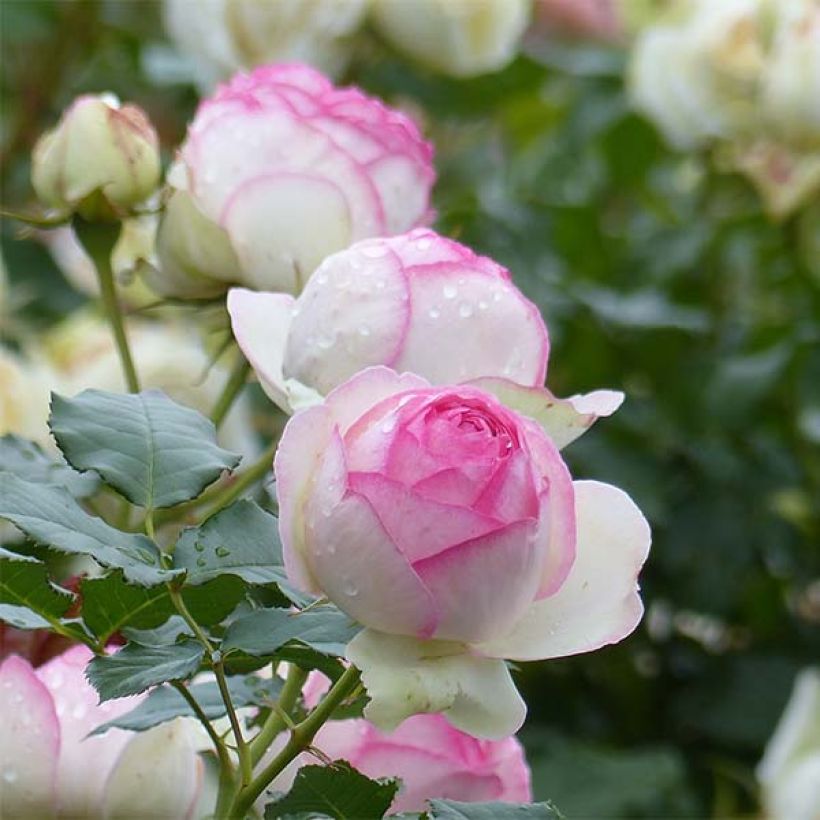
[[424, 243], [482, 305], [449, 291], [389, 425], [364, 330], [374, 251], [349, 588], [434, 313], [465, 310]]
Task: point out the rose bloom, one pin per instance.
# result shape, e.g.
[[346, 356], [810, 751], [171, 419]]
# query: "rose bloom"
[[696, 74], [101, 158], [789, 773], [449, 526], [49, 767], [279, 170], [458, 37], [222, 36], [416, 302]]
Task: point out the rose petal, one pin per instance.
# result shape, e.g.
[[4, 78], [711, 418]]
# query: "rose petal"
[[465, 324], [483, 586], [29, 742], [419, 527], [354, 560], [510, 493], [564, 420], [260, 324], [365, 390], [303, 441], [353, 313], [283, 225], [598, 604], [449, 486], [157, 775], [406, 676]]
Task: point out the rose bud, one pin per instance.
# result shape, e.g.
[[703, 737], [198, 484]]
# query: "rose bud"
[[288, 169], [223, 36], [457, 37], [449, 526], [51, 767], [416, 302], [789, 774], [102, 159], [430, 757]]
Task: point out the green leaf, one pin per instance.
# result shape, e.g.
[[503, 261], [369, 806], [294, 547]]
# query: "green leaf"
[[50, 515], [110, 603], [241, 540], [135, 668], [22, 617], [324, 629], [169, 632], [155, 452], [453, 810], [24, 582], [336, 791], [165, 703], [27, 460]]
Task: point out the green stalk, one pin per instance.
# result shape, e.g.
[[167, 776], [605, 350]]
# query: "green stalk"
[[99, 240], [233, 387], [300, 738], [276, 721]]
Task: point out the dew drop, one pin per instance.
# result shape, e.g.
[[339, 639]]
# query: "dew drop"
[[321, 278], [449, 291], [349, 588], [324, 342], [482, 305], [424, 243], [9, 775], [201, 562], [199, 546], [364, 330], [390, 425], [497, 296], [434, 313], [465, 310], [222, 552]]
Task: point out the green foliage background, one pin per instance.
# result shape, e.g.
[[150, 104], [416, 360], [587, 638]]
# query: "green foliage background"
[[656, 276]]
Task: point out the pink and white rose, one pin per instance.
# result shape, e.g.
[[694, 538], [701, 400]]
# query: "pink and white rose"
[[449, 526], [49, 766], [280, 169], [417, 302]]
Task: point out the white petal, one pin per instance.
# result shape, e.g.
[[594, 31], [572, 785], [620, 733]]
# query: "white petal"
[[406, 676], [598, 604], [283, 225], [564, 420], [798, 729], [260, 324], [158, 774]]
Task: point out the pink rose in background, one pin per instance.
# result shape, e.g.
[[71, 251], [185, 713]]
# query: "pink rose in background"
[[50, 767], [449, 525], [593, 19], [417, 302], [286, 169]]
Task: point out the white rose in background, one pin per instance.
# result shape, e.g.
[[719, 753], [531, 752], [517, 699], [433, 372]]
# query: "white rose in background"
[[170, 357], [458, 37], [101, 159], [25, 388], [789, 773], [291, 169], [416, 302], [695, 74], [223, 36], [50, 767]]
